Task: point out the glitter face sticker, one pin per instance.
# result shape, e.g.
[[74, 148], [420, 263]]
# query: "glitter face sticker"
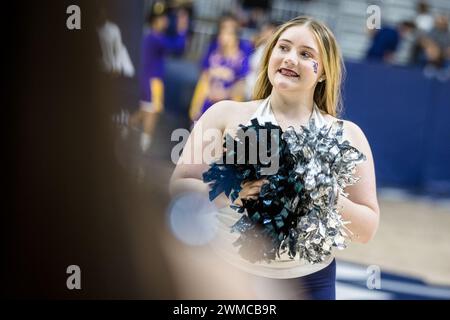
[[315, 65]]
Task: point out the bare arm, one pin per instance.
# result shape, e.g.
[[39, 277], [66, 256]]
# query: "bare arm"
[[203, 145], [361, 208]]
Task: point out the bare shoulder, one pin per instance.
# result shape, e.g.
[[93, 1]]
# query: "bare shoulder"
[[352, 132], [236, 113], [228, 114], [229, 107], [355, 134]]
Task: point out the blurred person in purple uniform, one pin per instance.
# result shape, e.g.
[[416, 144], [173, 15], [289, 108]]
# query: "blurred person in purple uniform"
[[224, 68], [230, 23], [156, 45]]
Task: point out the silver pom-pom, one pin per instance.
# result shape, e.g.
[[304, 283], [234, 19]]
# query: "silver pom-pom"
[[326, 165]]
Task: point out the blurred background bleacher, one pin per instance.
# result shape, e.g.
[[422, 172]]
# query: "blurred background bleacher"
[[347, 19]]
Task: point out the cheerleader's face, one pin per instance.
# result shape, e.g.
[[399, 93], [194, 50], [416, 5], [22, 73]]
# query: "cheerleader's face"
[[295, 63]]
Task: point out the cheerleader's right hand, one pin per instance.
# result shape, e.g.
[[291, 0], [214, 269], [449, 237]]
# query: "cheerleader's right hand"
[[250, 190]]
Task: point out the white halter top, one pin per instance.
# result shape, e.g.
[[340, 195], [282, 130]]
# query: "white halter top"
[[264, 113], [283, 267]]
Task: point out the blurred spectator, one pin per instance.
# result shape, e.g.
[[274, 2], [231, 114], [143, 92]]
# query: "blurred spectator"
[[260, 42], [156, 45], [175, 6], [224, 68], [404, 55], [436, 47], [115, 57], [386, 41], [116, 64], [256, 12], [229, 23], [424, 20], [440, 35]]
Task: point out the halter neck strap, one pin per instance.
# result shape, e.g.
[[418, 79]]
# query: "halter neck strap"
[[264, 113]]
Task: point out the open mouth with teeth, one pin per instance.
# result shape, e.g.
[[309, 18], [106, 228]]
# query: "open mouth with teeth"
[[288, 73]]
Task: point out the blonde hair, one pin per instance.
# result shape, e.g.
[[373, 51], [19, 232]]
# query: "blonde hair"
[[327, 94]]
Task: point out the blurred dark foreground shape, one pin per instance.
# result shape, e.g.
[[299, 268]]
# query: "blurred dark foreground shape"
[[68, 200]]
